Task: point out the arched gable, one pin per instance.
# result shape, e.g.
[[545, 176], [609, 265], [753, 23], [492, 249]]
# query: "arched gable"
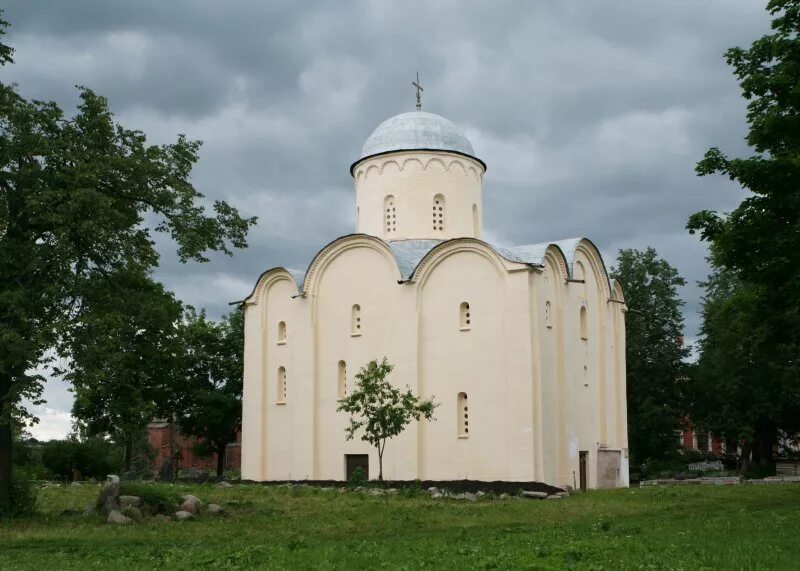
[[588, 249], [450, 247], [333, 249], [265, 281], [616, 290], [555, 255]]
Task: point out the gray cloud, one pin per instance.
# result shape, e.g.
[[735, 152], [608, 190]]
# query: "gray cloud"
[[590, 116]]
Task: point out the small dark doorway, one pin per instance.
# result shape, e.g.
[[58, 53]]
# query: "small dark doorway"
[[355, 461], [583, 460]]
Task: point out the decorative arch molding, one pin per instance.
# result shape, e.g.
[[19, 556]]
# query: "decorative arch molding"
[[616, 289], [598, 267], [339, 246], [555, 256], [439, 253], [266, 281], [466, 169]]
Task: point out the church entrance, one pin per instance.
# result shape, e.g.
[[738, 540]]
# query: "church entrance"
[[583, 462], [353, 462], [608, 467]]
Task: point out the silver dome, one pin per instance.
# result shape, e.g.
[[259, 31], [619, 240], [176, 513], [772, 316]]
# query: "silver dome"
[[417, 130]]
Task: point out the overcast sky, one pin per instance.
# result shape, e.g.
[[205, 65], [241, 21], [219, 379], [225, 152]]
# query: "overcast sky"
[[590, 115]]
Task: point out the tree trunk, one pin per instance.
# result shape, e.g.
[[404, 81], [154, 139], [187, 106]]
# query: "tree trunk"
[[380, 463], [127, 454], [5, 452], [746, 447], [221, 449]]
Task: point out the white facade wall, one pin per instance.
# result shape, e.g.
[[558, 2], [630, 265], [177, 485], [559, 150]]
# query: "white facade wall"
[[538, 393]]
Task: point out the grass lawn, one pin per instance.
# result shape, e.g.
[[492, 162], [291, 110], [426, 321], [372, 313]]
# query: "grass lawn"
[[694, 527]]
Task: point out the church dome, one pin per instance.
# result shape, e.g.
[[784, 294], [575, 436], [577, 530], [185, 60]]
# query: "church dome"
[[417, 131]]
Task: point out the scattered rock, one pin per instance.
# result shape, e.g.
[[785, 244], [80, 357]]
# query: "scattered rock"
[[215, 509], [391, 491], [504, 496], [115, 516], [469, 496], [76, 485], [436, 496], [190, 504], [534, 495], [433, 489], [162, 517], [376, 493], [129, 501], [182, 515], [109, 505], [562, 494], [133, 513], [90, 510], [109, 490], [553, 497], [480, 493], [224, 485], [114, 479]]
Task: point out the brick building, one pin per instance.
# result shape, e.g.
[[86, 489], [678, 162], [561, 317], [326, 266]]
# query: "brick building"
[[167, 440]]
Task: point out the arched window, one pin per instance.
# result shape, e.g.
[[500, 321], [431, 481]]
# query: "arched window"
[[476, 227], [584, 324], [281, 332], [355, 320], [281, 397], [464, 316], [438, 213], [463, 416], [342, 380], [578, 272], [548, 315], [389, 214]]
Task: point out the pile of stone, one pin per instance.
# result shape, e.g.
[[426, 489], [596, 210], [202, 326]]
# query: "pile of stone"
[[124, 510], [440, 493]]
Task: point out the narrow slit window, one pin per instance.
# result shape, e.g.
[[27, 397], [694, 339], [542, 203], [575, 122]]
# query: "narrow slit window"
[[476, 226], [465, 316], [548, 315], [584, 325], [438, 213], [281, 332], [355, 320], [389, 215], [342, 380], [281, 398], [463, 415]]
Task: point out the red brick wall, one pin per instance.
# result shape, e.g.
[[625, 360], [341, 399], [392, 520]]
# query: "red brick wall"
[[164, 438]]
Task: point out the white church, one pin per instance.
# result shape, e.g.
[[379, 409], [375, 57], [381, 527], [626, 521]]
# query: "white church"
[[523, 347]]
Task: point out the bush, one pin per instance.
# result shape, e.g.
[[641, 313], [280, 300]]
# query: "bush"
[[23, 497]]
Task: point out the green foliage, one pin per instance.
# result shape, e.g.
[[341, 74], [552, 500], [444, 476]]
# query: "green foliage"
[[92, 458], [208, 399], [123, 357], [656, 372], [749, 370], [22, 500], [80, 199], [357, 477], [379, 410]]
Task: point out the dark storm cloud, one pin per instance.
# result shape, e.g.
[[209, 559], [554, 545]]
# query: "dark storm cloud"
[[590, 115]]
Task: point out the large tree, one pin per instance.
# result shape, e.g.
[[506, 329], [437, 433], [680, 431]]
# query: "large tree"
[[208, 399], [124, 357], [656, 381], [756, 247], [80, 198]]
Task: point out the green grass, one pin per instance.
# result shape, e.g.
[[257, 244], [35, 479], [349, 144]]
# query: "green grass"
[[693, 527]]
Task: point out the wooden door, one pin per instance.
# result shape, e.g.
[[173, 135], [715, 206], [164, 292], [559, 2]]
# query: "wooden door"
[[582, 456], [608, 468]]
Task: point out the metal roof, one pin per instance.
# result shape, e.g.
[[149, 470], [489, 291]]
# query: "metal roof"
[[417, 130]]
